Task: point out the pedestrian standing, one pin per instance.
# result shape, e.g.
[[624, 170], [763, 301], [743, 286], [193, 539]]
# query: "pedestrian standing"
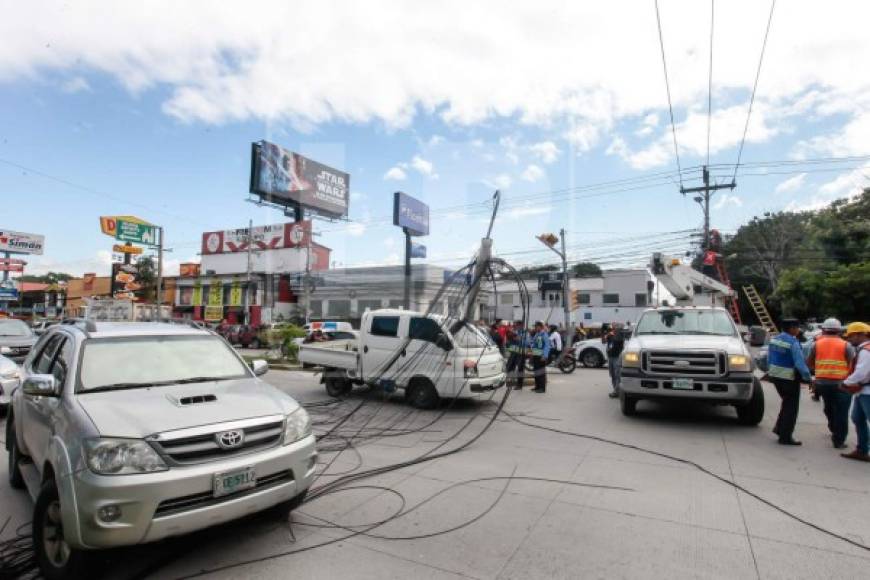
[[829, 359], [555, 342], [518, 349], [540, 356], [858, 383], [786, 368], [615, 341], [496, 338]]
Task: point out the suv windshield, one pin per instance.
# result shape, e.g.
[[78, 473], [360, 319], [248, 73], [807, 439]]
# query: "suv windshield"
[[12, 327], [713, 322], [144, 361]]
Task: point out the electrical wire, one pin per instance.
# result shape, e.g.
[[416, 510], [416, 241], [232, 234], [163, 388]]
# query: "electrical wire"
[[668, 89]]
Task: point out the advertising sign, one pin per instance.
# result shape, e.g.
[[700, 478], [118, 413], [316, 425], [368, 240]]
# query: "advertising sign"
[[21, 243], [214, 313], [126, 283], [109, 223], [215, 293], [411, 214], [271, 237], [236, 293], [12, 265], [88, 281], [107, 310], [135, 232], [188, 270], [8, 290], [125, 249], [418, 250], [287, 178], [196, 296]]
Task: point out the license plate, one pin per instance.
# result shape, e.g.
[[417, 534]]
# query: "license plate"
[[685, 384], [234, 481]]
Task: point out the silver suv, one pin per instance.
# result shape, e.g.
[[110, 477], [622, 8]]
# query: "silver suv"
[[126, 433]]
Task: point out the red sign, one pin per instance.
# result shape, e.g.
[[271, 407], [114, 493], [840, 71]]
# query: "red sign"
[[273, 237], [12, 265], [188, 270]]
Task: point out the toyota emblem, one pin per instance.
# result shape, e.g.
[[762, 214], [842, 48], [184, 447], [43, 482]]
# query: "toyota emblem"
[[231, 439]]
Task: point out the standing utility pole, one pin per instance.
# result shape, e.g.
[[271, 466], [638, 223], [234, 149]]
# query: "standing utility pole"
[[707, 191], [160, 274], [246, 302], [549, 240]]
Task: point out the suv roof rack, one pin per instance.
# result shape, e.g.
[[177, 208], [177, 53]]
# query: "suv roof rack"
[[86, 324], [184, 321]]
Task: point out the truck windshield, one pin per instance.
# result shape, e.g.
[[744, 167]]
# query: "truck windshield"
[[713, 322], [146, 361]]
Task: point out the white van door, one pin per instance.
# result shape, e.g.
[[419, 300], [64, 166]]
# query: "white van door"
[[426, 357], [383, 337]]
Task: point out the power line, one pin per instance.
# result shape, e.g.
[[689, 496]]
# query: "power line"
[[668, 89], [710, 78], [754, 88]]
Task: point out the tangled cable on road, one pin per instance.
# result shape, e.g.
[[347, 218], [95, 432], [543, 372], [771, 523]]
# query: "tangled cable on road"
[[16, 553]]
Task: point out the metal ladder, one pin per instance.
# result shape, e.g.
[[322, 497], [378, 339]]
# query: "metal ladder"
[[760, 309]]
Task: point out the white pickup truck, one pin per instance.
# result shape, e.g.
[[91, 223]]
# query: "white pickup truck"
[[428, 356]]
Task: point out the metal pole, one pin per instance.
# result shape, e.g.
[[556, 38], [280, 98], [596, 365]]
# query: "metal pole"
[[566, 289], [160, 274], [407, 300], [8, 257], [706, 174], [246, 301], [306, 284]]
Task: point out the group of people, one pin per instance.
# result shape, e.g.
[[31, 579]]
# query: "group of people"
[[837, 369], [542, 345]]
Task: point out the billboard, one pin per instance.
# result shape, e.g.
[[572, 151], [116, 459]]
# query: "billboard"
[[188, 270], [287, 178], [109, 223], [8, 290], [411, 214], [12, 265], [272, 237], [126, 283], [21, 243]]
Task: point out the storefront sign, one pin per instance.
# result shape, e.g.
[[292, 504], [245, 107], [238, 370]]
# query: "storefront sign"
[[125, 249], [271, 237], [21, 243], [411, 214], [12, 265], [214, 313], [126, 283], [236, 293], [188, 270], [109, 223], [135, 232], [215, 293], [196, 296]]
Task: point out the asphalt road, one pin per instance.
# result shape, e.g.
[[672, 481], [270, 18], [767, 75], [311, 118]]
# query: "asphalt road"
[[605, 512]]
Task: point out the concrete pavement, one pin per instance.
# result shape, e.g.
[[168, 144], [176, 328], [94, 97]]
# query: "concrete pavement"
[[665, 520]]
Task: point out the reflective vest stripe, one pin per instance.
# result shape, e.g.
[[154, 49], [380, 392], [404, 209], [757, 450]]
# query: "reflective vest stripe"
[[831, 361], [781, 372]]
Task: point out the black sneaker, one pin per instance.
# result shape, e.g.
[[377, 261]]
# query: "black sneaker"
[[789, 442], [612, 395], [839, 445]]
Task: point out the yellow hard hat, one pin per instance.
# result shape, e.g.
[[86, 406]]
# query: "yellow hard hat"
[[858, 328]]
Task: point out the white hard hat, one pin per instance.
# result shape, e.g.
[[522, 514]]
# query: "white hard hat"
[[832, 324]]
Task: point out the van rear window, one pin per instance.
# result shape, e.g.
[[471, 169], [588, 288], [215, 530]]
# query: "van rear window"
[[385, 326]]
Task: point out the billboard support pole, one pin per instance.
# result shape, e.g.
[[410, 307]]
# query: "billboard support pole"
[[159, 299], [246, 310], [8, 256], [407, 300]]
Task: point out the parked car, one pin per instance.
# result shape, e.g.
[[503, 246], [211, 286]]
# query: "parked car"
[[40, 326], [10, 377], [16, 335], [591, 353], [128, 433]]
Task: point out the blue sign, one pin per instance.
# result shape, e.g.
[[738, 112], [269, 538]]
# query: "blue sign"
[[411, 214], [8, 294], [418, 250]]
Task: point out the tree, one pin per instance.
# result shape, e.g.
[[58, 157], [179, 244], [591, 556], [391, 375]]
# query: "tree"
[[586, 270], [800, 293], [842, 230], [47, 278], [847, 292], [147, 277]]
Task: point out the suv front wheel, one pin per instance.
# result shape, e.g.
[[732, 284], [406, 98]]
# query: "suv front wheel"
[[54, 555]]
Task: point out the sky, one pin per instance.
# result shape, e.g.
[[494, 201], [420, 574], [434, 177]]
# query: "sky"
[[149, 108]]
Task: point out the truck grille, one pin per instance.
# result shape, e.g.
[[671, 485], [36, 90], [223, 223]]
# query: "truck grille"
[[204, 447], [684, 363], [206, 498]]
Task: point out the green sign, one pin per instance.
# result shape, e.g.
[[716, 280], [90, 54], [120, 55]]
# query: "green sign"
[[138, 233]]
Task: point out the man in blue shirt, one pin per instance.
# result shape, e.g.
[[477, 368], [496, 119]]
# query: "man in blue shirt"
[[540, 355], [786, 369]]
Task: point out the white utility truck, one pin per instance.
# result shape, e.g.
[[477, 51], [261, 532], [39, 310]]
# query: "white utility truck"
[[428, 356], [691, 350]]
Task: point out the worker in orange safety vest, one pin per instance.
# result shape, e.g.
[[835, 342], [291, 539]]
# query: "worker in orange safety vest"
[[829, 359]]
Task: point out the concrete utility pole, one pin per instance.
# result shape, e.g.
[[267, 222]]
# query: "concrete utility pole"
[[160, 274], [707, 191], [246, 302], [550, 241]]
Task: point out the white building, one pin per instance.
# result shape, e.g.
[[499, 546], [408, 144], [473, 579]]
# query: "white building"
[[615, 296]]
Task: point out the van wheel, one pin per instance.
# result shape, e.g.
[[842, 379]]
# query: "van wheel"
[[338, 388], [16, 480], [752, 413], [627, 404], [421, 393], [55, 557]]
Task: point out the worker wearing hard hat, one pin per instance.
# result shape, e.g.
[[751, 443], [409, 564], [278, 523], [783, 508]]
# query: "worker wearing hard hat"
[[858, 383], [786, 368], [829, 357]]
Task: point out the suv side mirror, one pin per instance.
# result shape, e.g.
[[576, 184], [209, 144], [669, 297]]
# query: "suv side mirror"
[[441, 341], [260, 367], [41, 386]]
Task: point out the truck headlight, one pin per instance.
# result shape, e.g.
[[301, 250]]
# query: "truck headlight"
[[631, 359], [469, 369], [297, 426], [738, 362], [121, 457]]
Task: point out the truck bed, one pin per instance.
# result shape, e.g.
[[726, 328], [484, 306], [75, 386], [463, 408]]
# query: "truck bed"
[[338, 354]]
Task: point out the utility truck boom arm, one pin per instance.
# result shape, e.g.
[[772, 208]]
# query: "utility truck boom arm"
[[682, 280]]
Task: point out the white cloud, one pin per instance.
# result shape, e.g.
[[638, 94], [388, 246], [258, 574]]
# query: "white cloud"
[[356, 229], [395, 174], [435, 140], [423, 167], [584, 136], [533, 173], [791, 184], [546, 151], [527, 210], [725, 199], [75, 85], [502, 181]]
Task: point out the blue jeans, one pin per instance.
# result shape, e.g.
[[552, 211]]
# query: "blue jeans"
[[860, 416], [837, 404], [614, 365]]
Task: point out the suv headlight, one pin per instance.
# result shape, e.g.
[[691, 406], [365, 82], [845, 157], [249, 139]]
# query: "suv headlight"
[[738, 362], [631, 359], [10, 374], [297, 426], [121, 457]]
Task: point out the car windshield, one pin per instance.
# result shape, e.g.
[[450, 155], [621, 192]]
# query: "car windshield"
[[11, 327], [144, 361], [713, 322]]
